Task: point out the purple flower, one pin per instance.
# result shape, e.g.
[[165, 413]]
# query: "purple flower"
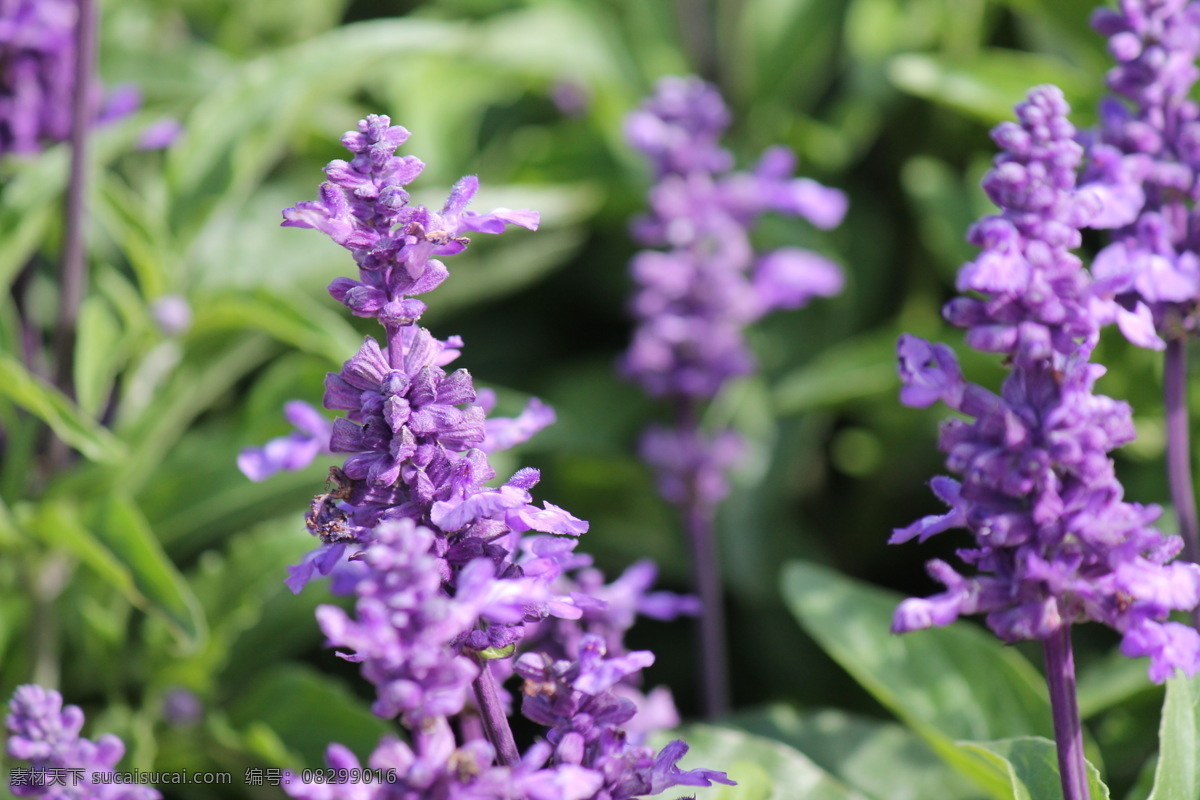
[[607, 611], [510, 503], [573, 698], [680, 127], [1149, 135], [161, 134], [1031, 296], [172, 314], [413, 665], [503, 433], [365, 208], [182, 708], [292, 452], [691, 465], [446, 586], [1055, 544], [695, 298], [435, 768], [44, 733], [37, 76]]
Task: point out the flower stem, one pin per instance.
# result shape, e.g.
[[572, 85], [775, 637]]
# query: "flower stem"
[[1068, 732], [491, 712], [699, 30], [395, 346], [1179, 467], [714, 667], [73, 274], [698, 512]]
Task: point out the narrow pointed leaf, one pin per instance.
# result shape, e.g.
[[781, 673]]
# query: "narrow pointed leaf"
[[1177, 776], [1031, 763], [763, 768], [120, 526], [945, 683], [291, 319], [52, 407]]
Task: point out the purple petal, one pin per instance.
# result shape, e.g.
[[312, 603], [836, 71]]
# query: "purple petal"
[[790, 277], [503, 433]]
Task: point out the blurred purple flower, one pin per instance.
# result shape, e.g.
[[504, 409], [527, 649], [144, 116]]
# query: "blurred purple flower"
[[182, 708], [695, 298], [37, 76], [161, 134], [1150, 132], [172, 314], [44, 733]]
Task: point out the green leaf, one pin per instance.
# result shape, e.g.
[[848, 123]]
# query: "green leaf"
[[97, 355], [31, 191], [1031, 763], [139, 229], [52, 407], [154, 426], [764, 769], [1177, 776], [291, 318], [987, 86], [946, 683], [27, 205], [225, 155], [121, 527], [10, 533], [59, 525], [854, 369], [548, 38], [780, 49], [883, 760], [233, 587], [308, 711], [1110, 682]]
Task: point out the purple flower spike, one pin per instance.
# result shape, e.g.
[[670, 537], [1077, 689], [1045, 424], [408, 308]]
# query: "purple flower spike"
[[365, 208], [696, 296], [694, 300], [1033, 296], [37, 76], [1055, 544], [44, 733], [1150, 136], [448, 586]]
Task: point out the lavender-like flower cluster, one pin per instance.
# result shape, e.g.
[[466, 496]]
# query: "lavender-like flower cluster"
[[445, 578], [37, 76], [1055, 543], [1152, 137], [63, 766], [695, 297]]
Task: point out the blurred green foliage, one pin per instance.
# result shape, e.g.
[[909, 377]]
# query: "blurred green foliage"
[[153, 565]]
